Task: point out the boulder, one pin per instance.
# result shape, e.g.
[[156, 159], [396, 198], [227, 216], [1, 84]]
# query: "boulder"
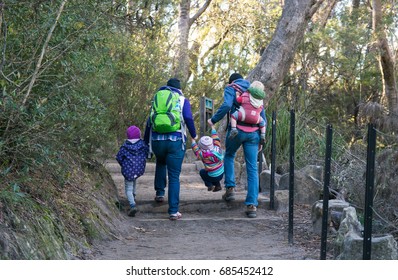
[[281, 201], [265, 181], [349, 241], [335, 211], [314, 171], [307, 189]]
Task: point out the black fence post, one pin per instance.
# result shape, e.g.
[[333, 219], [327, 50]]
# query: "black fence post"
[[291, 176], [273, 157], [260, 167], [206, 111], [370, 168], [326, 184]]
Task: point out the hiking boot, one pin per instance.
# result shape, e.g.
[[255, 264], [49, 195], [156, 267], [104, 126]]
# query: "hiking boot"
[[175, 216], [251, 211], [217, 187], [132, 212], [233, 133], [229, 194], [159, 198]]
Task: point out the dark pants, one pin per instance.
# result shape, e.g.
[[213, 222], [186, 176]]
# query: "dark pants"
[[210, 181]]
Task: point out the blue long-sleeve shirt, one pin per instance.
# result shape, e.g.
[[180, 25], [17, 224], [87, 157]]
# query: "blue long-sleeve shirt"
[[230, 104], [186, 114]]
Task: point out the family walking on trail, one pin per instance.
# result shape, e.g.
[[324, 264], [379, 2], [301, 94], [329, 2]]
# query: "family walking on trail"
[[165, 136]]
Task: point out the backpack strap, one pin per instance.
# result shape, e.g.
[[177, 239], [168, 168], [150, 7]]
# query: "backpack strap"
[[183, 126], [234, 106], [247, 124]]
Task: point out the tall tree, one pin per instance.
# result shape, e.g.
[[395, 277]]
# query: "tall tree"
[[184, 25], [386, 60], [279, 54]]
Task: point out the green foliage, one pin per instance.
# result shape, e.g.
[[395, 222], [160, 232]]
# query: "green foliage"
[[335, 70], [310, 139], [11, 194], [66, 110]]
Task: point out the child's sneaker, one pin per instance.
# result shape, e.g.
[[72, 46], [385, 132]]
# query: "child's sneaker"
[[175, 216], [233, 133], [132, 211], [229, 194], [251, 211], [211, 188], [159, 198]]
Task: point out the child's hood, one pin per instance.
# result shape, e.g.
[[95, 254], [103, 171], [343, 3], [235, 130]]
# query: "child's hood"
[[139, 145]]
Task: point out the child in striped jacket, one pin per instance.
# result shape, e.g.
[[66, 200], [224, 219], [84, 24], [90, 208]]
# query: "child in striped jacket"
[[209, 151]]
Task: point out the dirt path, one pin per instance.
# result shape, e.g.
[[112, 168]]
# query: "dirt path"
[[209, 229]]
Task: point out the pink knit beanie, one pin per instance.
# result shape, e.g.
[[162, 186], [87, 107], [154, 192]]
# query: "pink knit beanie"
[[133, 132]]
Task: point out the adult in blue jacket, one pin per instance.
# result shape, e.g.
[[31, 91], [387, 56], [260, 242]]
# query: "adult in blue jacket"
[[248, 140], [169, 150]]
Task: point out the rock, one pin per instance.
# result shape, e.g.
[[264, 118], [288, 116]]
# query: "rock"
[[335, 211], [281, 201], [314, 171], [349, 241], [265, 181], [307, 189], [382, 248]]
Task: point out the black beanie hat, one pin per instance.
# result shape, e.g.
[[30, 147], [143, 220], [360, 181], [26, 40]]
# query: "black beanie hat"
[[234, 77], [174, 82]]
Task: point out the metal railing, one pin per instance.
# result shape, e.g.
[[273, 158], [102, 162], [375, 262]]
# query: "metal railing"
[[370, 168]]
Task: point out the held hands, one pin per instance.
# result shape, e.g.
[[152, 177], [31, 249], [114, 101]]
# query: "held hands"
[[213, 127]]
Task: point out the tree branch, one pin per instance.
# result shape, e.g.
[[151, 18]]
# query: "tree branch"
[[43, 51], [199, 12]]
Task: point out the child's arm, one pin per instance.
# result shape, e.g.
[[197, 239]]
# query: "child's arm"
[[195, 147], [214, 135], [119, 156]]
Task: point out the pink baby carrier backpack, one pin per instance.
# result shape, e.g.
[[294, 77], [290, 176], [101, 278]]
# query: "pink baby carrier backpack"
[[247, 112]]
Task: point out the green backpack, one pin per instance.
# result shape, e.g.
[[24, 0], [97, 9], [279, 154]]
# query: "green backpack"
[[166, 111]]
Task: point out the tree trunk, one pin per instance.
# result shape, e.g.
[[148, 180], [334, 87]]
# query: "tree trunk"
[[181, 69], [279, 54], [43, 51], [390, 92], [182, 66]]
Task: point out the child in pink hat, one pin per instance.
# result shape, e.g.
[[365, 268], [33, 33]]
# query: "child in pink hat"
[[132, 157]]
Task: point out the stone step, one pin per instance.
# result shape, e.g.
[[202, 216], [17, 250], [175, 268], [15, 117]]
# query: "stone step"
[[114, 167], [149, 179], [194, 196], [194, 202]]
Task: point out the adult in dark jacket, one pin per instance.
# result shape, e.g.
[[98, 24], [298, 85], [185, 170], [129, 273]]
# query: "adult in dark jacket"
[[248, 140], [169, 150]]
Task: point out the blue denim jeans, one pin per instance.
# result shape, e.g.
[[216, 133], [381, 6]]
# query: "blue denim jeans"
[[249, 141], [169, 157], [130, 190]]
